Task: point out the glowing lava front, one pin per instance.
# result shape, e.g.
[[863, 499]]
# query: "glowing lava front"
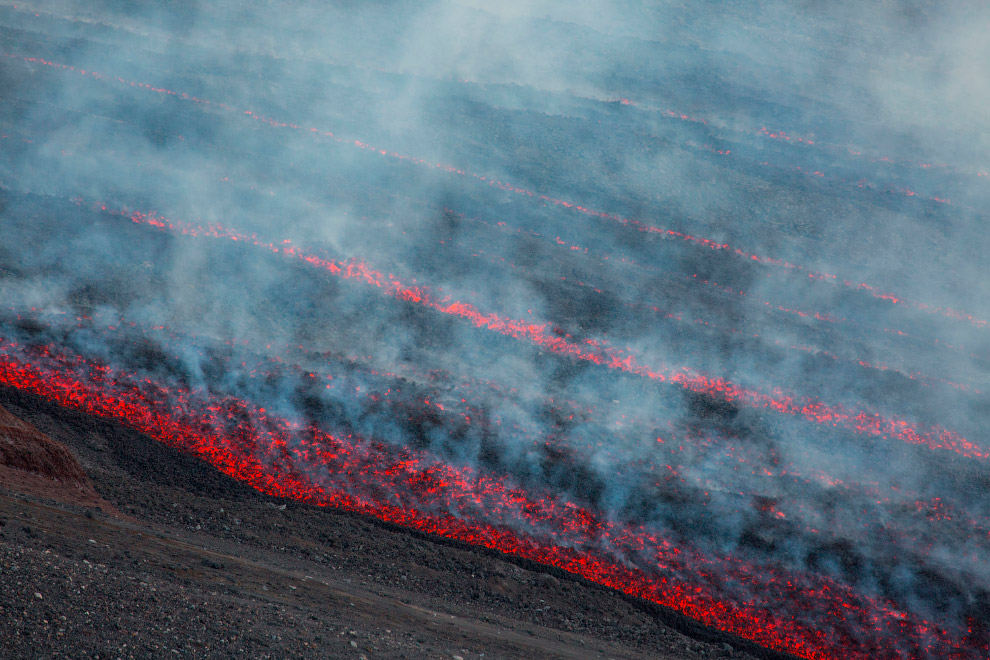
[[809, 616]]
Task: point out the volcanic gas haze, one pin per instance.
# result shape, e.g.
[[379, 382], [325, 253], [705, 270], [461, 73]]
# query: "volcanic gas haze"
[[688, 301]]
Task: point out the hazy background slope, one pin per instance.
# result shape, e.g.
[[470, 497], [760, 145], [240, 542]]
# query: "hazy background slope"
[[835, 160]]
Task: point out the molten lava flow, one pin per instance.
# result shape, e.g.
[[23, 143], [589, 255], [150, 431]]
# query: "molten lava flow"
[[783, 137], [501, 261], [735, 469], [727, 454], [777, 135], [592, 350], [306, 425], [695, 279], [809, 616], [501, 185]]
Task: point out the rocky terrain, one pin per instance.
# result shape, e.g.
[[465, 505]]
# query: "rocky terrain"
[[154, 555], [688, 301]]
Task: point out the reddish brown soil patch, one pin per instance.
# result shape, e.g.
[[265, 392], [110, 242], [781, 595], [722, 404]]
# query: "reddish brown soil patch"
[[24, 447], [32, 463]]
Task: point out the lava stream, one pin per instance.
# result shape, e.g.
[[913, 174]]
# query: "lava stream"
[[917, 375], [411, 488], [694, 279], [773, 134], [591, 350], [496, 183], [279, 364], [791, 139]]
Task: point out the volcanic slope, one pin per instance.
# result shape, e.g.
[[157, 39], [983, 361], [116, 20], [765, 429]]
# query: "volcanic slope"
[[678, 315], [200, 566]]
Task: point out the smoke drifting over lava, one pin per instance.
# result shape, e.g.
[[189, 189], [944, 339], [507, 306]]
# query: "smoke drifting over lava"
[[689, 301]]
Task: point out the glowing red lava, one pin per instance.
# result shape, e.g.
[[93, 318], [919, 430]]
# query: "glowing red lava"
[[634, 224], [694, 278], [592, 350], [457, 411], [807, 615]]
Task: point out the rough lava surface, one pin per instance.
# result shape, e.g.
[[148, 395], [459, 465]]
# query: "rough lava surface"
[[178, 560]]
